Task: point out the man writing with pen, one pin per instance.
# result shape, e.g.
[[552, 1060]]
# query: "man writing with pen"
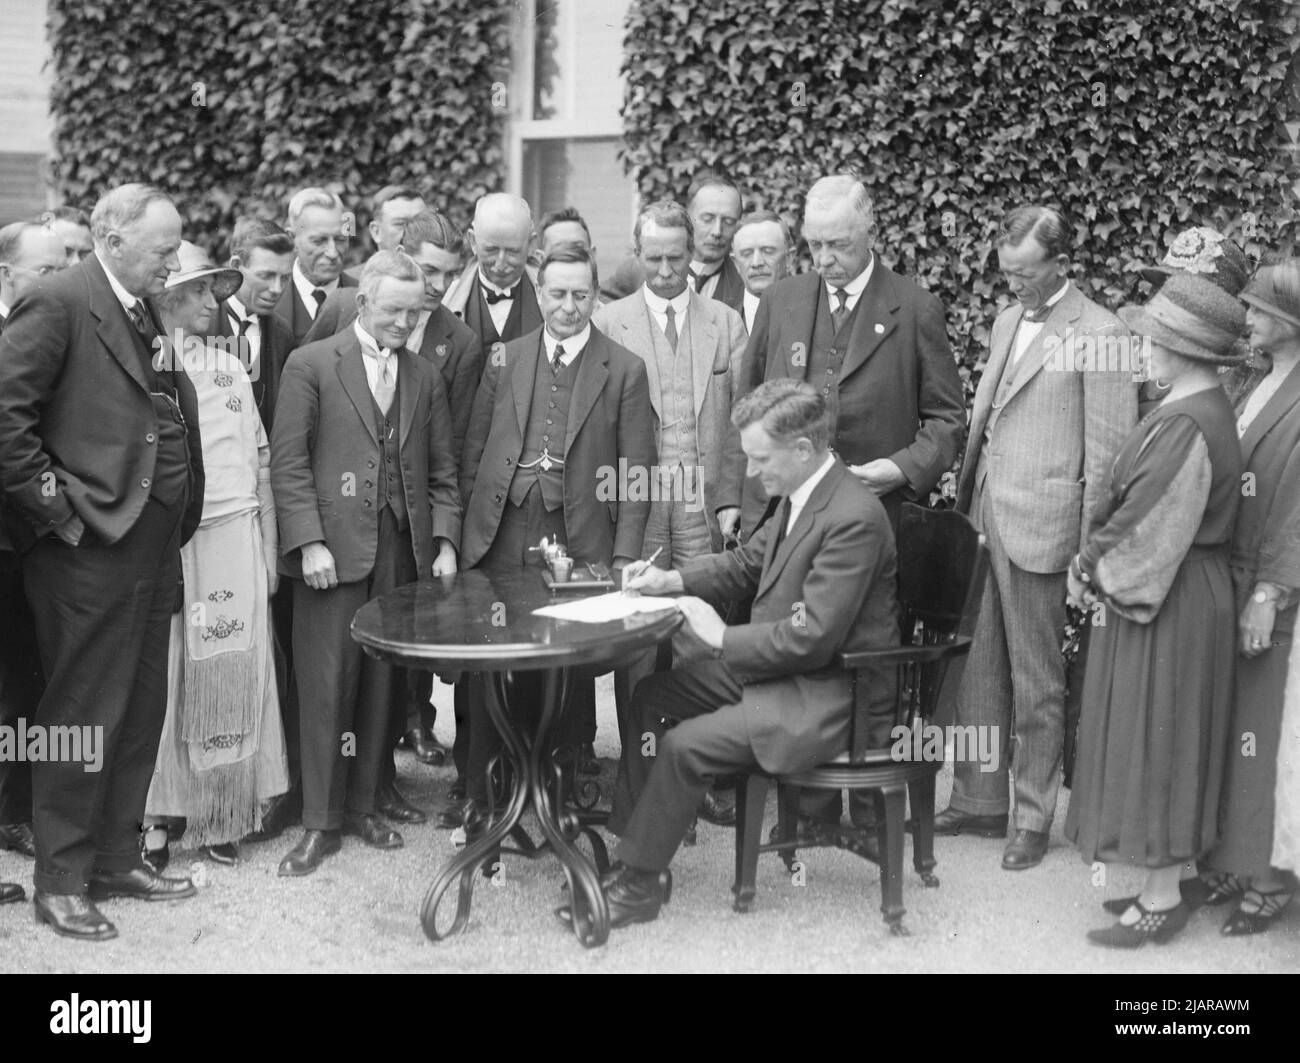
[[820, 574]]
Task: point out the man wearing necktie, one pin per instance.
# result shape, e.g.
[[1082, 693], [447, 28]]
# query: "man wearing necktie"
[[102, 470], [557, 415], [1043, 435], [820, 577], [321, 231], [715, 206], [761, 248], [365, 490]]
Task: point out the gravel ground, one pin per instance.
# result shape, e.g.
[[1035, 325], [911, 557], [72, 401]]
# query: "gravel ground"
[[360, 913]]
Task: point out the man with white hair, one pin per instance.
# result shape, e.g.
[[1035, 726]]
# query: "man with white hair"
[[874, 345], [364, 478], [494, 296], [321, 230], [102, 472]]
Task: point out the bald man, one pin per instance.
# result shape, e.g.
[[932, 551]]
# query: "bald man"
[[494, 296]]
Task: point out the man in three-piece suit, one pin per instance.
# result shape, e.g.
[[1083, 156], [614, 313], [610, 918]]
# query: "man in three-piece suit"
[[28, 252], [102, 470], [715, 207], [558, 414], [366, 496], [446, 342], [1042, 440], [321, 230], [820, 575]]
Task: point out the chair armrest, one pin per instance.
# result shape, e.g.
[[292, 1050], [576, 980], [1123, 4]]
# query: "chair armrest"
[[958, 647]]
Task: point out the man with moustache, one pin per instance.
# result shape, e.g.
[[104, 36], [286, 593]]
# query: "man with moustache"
[[715, 207], [761, 248], [559, 405], [446, 342], [100, 505], [29, 252], [365, 492], [320, 231]]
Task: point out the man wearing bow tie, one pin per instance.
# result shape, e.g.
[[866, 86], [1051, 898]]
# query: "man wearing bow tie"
[[321, 231], [1041, 446], [365, 492], [715, 206]]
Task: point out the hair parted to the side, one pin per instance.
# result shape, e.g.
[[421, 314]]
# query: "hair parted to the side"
[[1045, 224], [757, 217], [569, 253], [666, 214], [389, 193], [121, 207], [11, 237], [397, 265], [311, 197], [252, 233], [788, 409], [558, 217], [431, 227]]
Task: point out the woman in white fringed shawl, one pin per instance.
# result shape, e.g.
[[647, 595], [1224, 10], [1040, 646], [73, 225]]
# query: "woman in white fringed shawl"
[[222, 747]]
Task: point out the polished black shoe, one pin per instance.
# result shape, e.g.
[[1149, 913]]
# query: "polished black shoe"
[[280, 813], [19, 838], [952, 821], [396, 807], [1025, 850], [72, 916], [427, 749], [227, 854], [633, 896], [141, 884], [455, 814], [1193, 890], [718, 811], [372, 830], [311, 850], [1155, 926], [1268, 906], [11, 893], [587, 762]]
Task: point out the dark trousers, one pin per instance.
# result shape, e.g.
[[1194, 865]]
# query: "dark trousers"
[[21, 684], [286, 679], [346, 697], [103, 614], [411, 710], [664, 774]]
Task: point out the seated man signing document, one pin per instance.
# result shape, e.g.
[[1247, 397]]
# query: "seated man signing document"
[[820, 574]]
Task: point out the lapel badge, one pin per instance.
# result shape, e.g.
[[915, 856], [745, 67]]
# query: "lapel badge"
[[441, 350], [879, 328]]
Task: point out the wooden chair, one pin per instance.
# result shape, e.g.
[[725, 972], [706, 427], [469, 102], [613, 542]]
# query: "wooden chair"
[[942, 565]]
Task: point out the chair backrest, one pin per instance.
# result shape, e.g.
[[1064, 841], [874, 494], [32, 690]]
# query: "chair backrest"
[[942, 564]]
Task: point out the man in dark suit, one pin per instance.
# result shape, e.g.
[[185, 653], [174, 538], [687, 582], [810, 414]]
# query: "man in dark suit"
[[29, 251], [443, 340], [560, 409], [101, 465], [761, 248], [320, 229], [820, 574], [366, 496], [874, 344], [493, 295], [715, 206]]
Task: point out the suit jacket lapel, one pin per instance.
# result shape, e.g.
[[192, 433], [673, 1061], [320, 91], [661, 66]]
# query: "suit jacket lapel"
[[530, 314], [1059, 321], [703, 342], [115, 329], [801, 309], [875, 319], [352, 375], [991, 377], [523, 378], [639, 327], [408, 390], [437, 333], [802, 526], [1283, 400], [593, 371]]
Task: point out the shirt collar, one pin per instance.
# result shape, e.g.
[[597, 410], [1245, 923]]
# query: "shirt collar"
[[1057, 295], [306, 287], [573, 346], [239, 310], [858, 284], [698, 269], [659, 305], [4, 308], [800, 495], [369, 345], [484, 282], [123, 296]]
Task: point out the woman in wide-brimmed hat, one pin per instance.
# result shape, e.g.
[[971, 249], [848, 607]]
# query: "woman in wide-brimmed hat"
[[1157, 694], [222, 747], [1260, 821]]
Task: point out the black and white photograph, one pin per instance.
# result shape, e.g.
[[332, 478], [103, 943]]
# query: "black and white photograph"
[[651, 486]]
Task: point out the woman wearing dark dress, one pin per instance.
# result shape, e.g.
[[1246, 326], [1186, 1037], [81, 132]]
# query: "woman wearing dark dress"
[[1157, 695], [1266, 572]]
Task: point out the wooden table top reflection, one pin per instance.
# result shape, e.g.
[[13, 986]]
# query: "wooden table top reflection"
[[483, 621]]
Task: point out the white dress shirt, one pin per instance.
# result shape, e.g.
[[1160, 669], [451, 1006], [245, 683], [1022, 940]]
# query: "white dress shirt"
[[375, 358], [4, 310], [800, 495], [416, 338], [749, 309], [658, 307], [853, 289], [1028, 330], [253, 335], [573, 346], [500, 310], [129, 302], [706, 284], [305, 288]]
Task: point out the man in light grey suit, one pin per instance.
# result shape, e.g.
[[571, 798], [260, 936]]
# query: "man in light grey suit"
[[1044, 430]]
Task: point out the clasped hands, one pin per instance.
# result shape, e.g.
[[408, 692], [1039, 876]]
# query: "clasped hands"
[[641, 577]]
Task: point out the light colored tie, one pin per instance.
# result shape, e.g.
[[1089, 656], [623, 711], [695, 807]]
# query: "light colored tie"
[[386, 385], [670, 327]]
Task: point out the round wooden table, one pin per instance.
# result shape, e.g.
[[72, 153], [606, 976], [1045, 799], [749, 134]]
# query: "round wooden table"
[[479, 621]]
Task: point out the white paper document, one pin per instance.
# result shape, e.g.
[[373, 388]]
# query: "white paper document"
[[605, 607]]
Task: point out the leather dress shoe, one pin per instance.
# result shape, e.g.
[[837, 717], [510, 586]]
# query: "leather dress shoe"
[[457, 813], [427, 749], [312, 848], [587, 762], [19, 838], [717, 811], [633, 896], [1024, 850], [280, 813], [141, 883], [226, 854], [396, 807], [372, 830], [11, 893], [72, 916], [1157, 926], [953, 821]]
